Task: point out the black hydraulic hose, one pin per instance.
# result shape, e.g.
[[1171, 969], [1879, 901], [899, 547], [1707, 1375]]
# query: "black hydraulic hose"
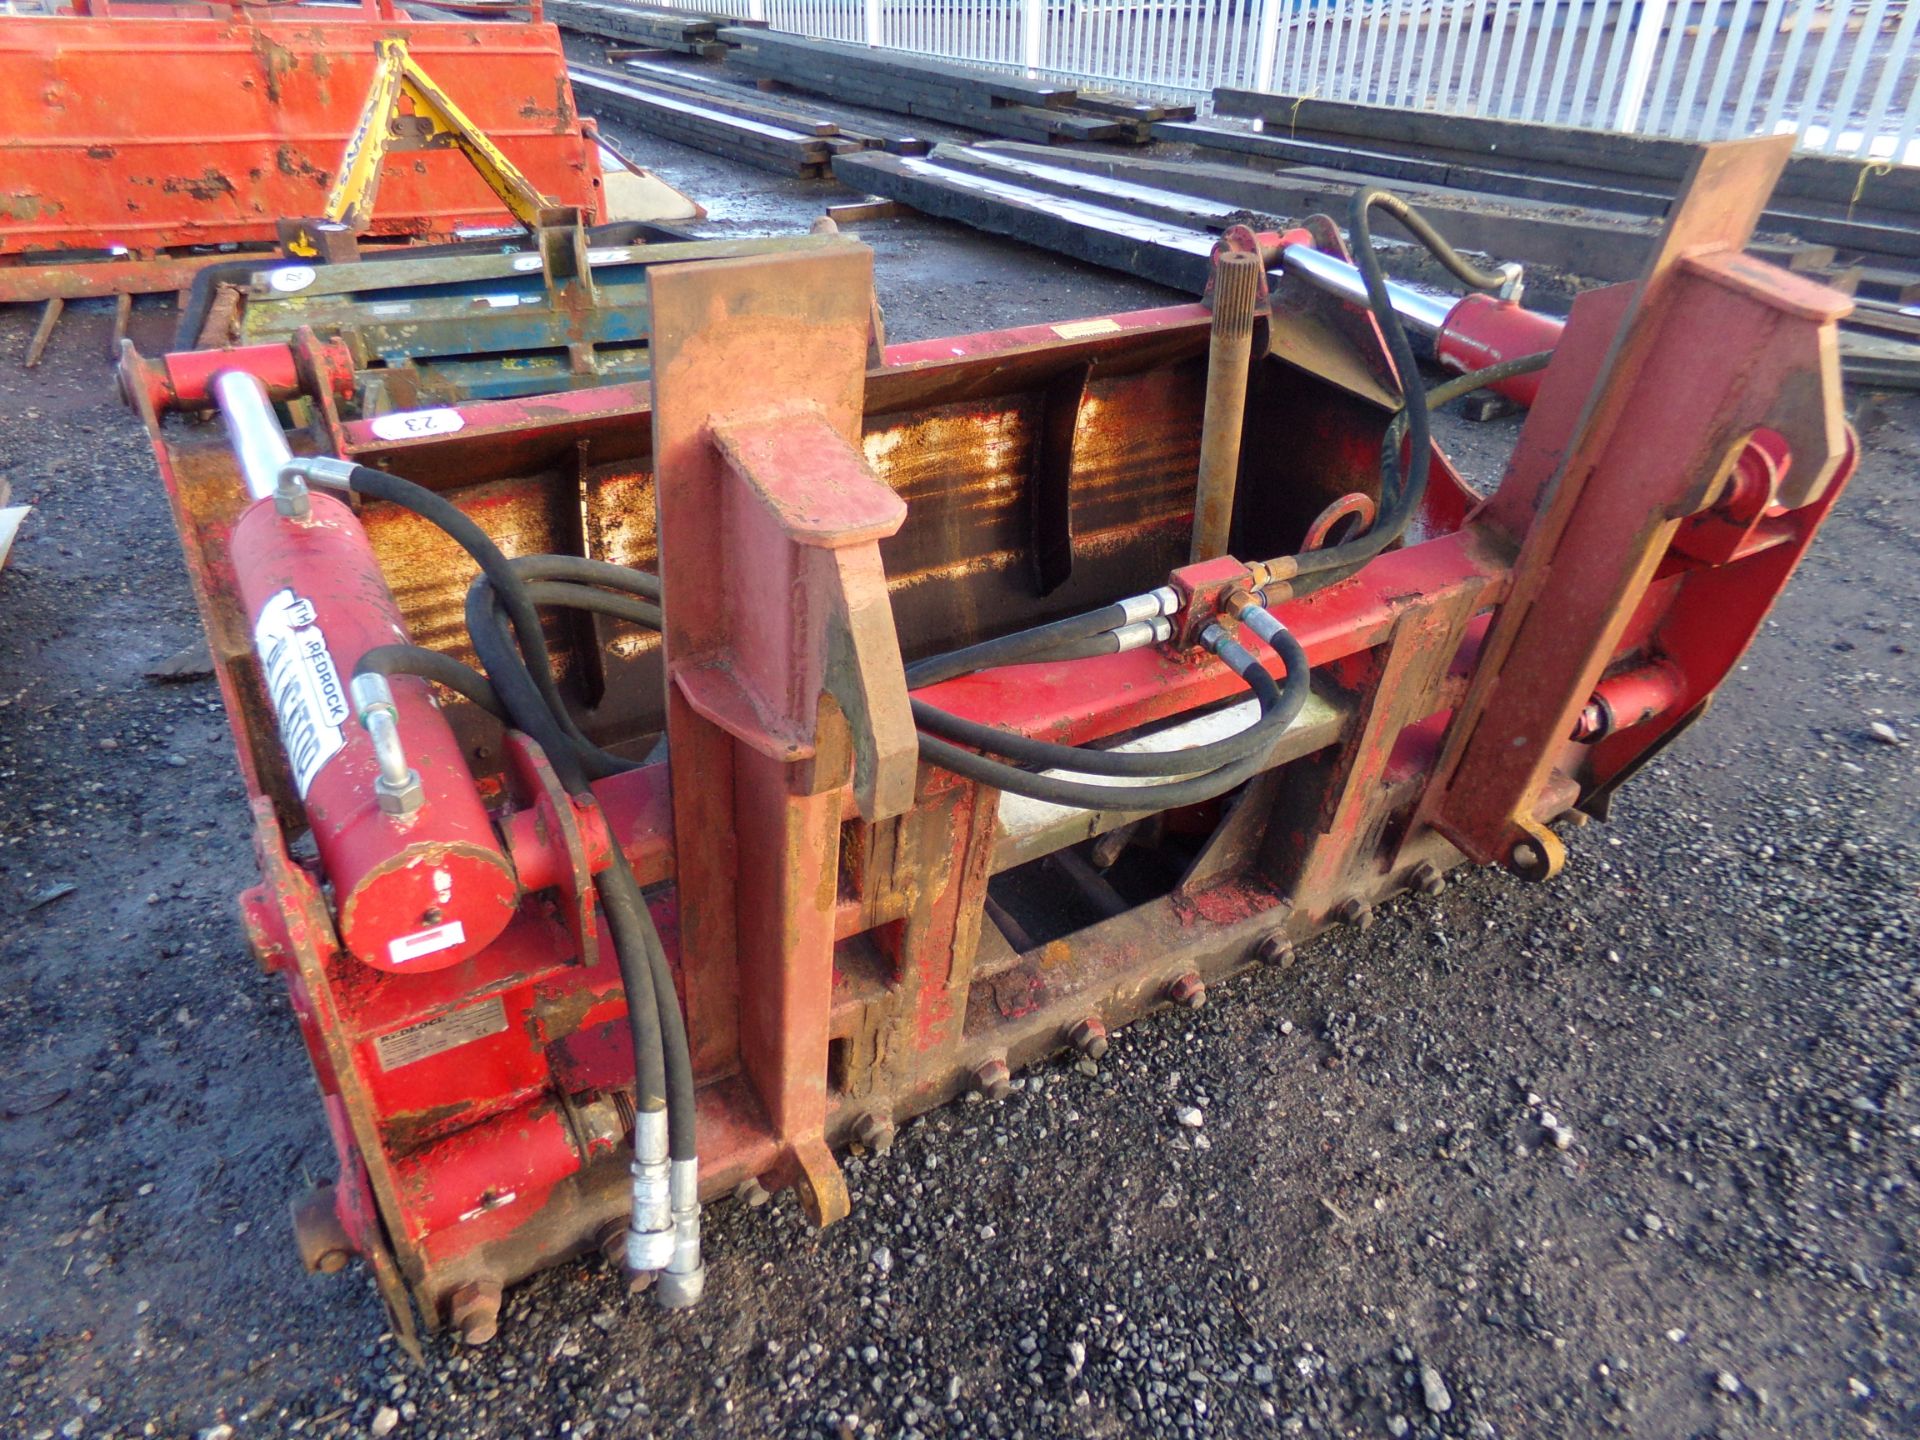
[[1417, 225], [658, 1080], [494, 642], [1466, 384], [663, 1070], [620, 889], [652, 1001], [562, 595], [578, 570], [1042, 642], [1284, 702], [544, 721], [463, 680], [1400, 492], [1046, 755]]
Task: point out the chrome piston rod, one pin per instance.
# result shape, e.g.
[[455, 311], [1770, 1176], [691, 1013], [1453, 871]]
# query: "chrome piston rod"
[[253, 430], [1425, 313]]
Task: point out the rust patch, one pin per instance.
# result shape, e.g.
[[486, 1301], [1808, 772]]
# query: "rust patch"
[[294, 164], [276, 60], [1225, 904], [209, 184], [1018, 992], [101, 152], [22, 206], [554, 1016], [411, 1129]]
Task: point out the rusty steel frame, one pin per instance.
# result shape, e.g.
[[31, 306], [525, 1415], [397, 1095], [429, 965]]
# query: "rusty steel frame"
[[822, 895]]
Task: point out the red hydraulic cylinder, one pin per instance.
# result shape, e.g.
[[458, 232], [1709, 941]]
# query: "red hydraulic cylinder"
[[1630, 698], [412, 891], [1482, 331]]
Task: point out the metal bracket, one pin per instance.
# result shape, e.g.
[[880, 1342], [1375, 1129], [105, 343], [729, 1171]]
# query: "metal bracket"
[[1713, 346], [398, 75], [577, 832]]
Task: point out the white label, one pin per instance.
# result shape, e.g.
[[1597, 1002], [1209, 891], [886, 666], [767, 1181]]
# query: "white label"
[[391, 307], [411, 424], [501, 302], [428, 1038], [609, 257], [427, 942], [289, 278], [524, 263], [303, 684]]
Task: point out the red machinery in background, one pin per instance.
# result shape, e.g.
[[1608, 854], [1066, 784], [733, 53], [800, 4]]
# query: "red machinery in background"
[[870, 610], [133, 135]]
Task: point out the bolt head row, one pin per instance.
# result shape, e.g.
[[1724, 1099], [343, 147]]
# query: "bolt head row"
[[992, 1078], [1188, 990]]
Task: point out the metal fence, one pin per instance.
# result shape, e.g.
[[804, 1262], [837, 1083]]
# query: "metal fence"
[[1842, 75]]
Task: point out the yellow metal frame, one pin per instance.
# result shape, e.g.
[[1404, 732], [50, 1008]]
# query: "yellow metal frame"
[[350, 201]]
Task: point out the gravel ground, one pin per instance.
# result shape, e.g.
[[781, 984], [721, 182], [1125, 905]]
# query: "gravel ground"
[[1631, 1151]]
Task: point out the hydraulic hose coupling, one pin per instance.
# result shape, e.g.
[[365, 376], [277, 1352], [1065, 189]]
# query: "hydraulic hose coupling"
[[1162, 601], [398, 784], [650, 1234], [1229, 649], [1256, 617], [290, 492], [327, 470], [1142, 633], [685, 1279]]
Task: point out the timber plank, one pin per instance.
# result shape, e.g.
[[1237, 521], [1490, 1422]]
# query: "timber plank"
[[1172, 255], [1812, 177]]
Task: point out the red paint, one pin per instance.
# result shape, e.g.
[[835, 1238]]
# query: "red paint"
[[803, 922], [398, 881], [993, 342], [1482, 331], [148, 130]]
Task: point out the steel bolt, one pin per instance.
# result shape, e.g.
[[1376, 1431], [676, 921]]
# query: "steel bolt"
[[1275, 948], [1427, 879], [475, 1311], [1188, 990], [1089, 1037], [751, 1192], [1354, 911], [325, 1246], [874, 1131], [992, 1078], [613, 1243], [331, 1262]]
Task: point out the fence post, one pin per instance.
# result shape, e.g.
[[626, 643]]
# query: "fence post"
[[1647, 31], [1033, 29], [1268, 49], [873, 23]]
